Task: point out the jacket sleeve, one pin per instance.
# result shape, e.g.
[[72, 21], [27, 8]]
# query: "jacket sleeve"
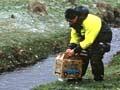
[[74, 36], [92, 26]]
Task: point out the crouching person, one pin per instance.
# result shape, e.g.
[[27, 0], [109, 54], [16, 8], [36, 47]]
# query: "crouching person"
[[91, 34]]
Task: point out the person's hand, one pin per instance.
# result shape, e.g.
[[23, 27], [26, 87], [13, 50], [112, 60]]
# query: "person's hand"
[[77, 49], [69, 52]]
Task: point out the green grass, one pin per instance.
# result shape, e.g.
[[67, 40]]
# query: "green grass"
[[20, 45], [27, 36], [111, 82], [24, 48]]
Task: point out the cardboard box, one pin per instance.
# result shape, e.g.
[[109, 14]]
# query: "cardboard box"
[[69, 68]]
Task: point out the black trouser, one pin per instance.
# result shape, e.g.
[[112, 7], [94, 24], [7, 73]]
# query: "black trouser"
[[95, 55]]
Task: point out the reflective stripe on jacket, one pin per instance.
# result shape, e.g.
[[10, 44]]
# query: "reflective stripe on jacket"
[[91, 28]]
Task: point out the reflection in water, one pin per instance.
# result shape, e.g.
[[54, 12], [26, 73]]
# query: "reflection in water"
[[42, 72]]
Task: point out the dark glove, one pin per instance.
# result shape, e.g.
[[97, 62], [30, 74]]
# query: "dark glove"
[[72, 46], [77, 49], [106, 47]]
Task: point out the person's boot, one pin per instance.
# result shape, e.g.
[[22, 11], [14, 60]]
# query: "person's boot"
[[98, 79]]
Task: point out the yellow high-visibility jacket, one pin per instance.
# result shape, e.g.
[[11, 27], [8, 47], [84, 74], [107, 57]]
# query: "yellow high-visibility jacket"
[[91, 28]]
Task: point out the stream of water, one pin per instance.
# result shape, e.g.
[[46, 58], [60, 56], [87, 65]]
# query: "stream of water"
[[43, 72]]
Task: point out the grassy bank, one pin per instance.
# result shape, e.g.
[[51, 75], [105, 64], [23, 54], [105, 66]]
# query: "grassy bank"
[[24, 48], [26, 37], [111, 82]]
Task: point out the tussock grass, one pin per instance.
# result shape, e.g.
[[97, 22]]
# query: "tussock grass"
[[19, 46], [24, 48]]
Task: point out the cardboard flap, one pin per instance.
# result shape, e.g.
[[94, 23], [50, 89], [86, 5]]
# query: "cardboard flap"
[[61, 56]]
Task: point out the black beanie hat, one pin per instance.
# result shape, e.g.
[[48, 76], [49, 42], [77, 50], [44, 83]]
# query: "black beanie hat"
[[81, 10]]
